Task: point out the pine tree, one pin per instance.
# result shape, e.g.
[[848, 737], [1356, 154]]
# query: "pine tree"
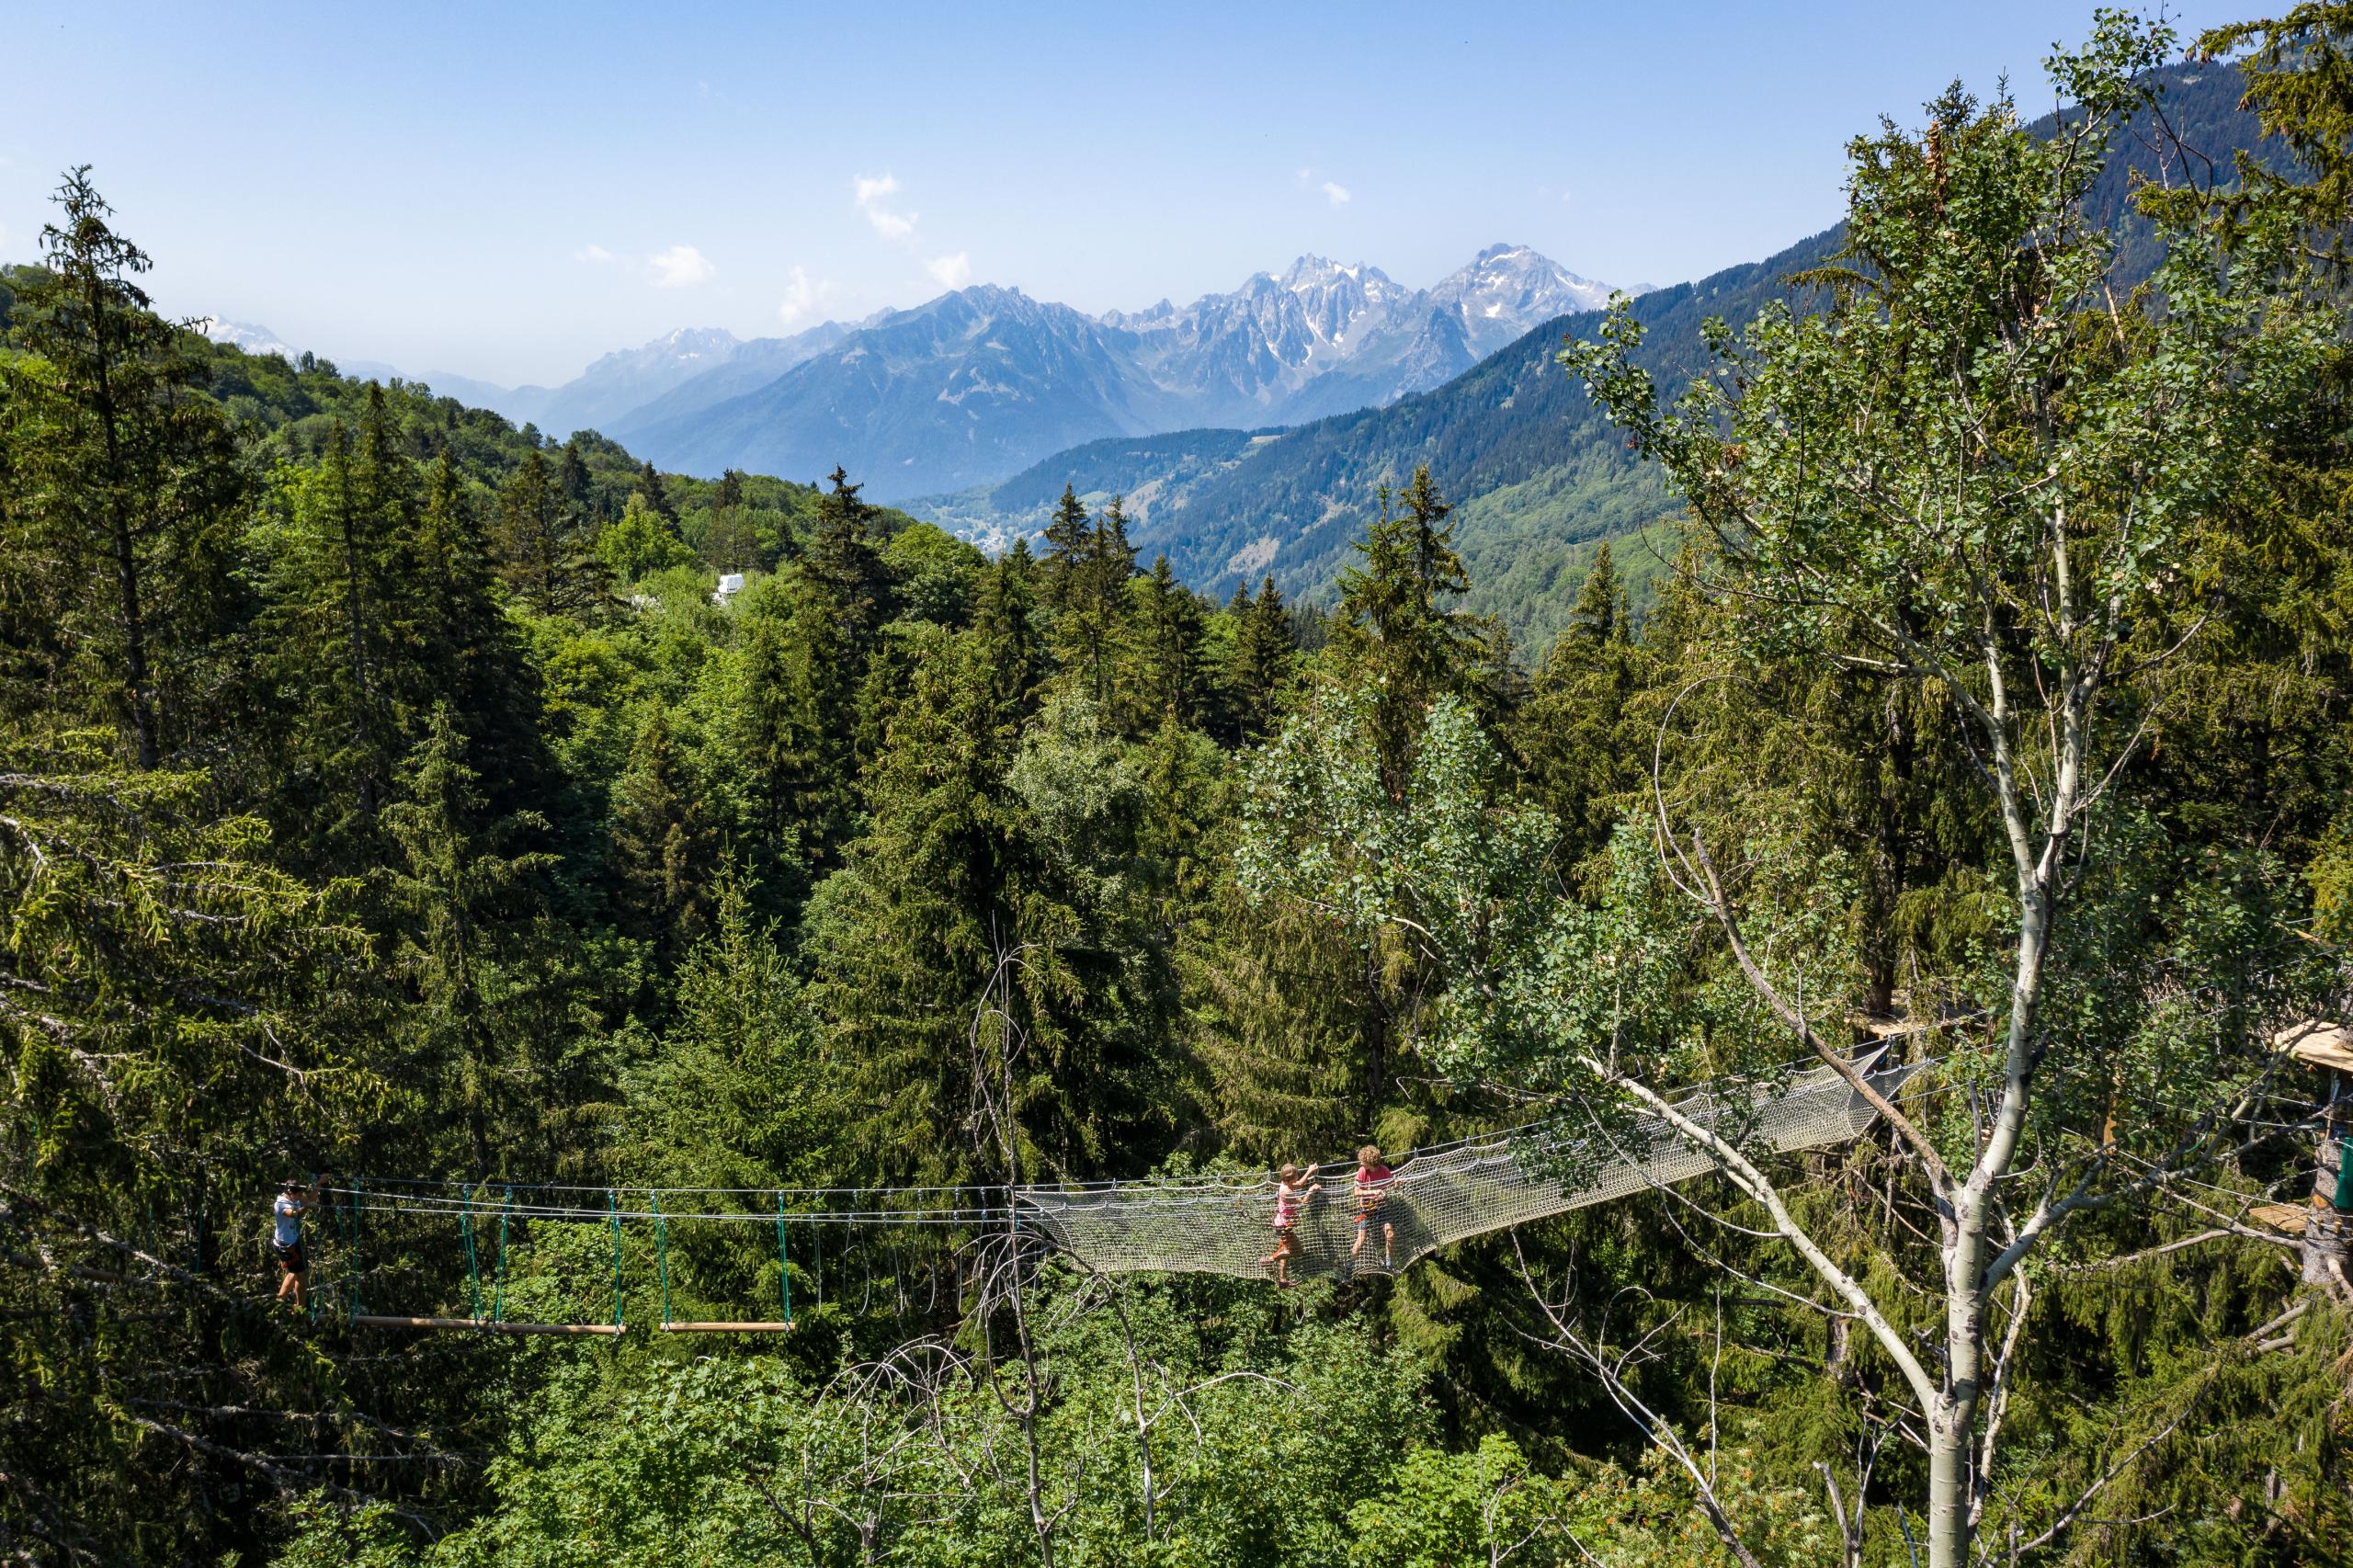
[[456, 887], [116, 548], [342, 618], [667, 843], [1004, 624], [1578, 763], [1091, 618], [844, 564], [571, 478], [472, 653], [1398, 630], [1069, 540], [649, 484], [1260, 670], [1166, 676], [543, 544]]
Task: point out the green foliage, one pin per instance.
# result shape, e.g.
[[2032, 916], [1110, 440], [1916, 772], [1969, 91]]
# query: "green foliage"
[[420, 849]]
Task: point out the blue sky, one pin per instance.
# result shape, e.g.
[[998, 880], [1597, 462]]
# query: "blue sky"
[[505, 192]]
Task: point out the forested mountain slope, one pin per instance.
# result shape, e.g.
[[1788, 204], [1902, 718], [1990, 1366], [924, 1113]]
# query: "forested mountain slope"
[[1537, 477], [392, 796]]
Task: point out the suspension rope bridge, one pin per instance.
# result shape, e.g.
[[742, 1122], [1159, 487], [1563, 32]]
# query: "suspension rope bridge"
[[1209, 1224]]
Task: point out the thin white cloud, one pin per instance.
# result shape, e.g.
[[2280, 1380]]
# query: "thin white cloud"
[[804, 295], [596, 254], [871, 192], [680, 266], [953, 271], [1338, 195]]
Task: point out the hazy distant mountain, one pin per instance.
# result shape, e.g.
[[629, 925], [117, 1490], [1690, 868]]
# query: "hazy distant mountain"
[[754, 365], [618, 387], [1155, 474], [1537, 476], [1326, 338], [964, 391], [624, 380], [1508, 289], [973, 385], [246, 335]]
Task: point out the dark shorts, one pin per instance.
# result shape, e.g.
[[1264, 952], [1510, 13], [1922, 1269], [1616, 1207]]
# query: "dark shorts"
[[1369, 1207], [290, 1259]]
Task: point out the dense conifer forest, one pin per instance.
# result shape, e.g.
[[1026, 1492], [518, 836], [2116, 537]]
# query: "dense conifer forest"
[[390, 795]]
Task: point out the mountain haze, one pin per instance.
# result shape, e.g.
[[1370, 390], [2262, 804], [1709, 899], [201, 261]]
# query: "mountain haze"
[[1538, 478], [971, 387]]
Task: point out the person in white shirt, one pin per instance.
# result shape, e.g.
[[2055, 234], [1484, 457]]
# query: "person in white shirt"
[[285, 1240]]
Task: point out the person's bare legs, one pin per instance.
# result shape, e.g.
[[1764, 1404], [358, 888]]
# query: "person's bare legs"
[[1388, 1243]]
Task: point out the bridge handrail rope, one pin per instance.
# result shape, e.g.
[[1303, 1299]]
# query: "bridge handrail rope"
[[783, 1263], [1220, 1222], [613, 1208], [473, 1264], [661, 1251], [498, 1279]]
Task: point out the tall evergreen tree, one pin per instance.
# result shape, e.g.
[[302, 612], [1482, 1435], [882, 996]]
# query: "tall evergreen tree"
[[1004, 624], [649, 484], [544, 547], [1069, 537], [1398, 630], [115, 540], [667, 843], [461, 886], [1261, 667], [472, 653], [1569, 733], [341, 622], [1093, 605], [1166, 676], [571, 478]]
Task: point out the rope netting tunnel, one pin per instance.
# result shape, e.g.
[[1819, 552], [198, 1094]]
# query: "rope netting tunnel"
[[1210, 1224], [1439, 1196]]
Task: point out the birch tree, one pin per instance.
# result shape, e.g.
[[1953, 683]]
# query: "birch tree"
[[1984, 470], [1977, 470]]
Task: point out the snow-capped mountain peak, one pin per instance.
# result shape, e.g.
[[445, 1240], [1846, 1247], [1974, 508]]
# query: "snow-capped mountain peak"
[[1506, 289], [246, 335]]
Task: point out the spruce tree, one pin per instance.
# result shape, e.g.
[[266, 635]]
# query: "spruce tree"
[[667, 843], [571, 478], [1399, 632], [1166, 678], [116, 546], [341, 623], [472, 652], [1004, 625], [1069, 537], [1260, 668], [545, 553], [649, 484]]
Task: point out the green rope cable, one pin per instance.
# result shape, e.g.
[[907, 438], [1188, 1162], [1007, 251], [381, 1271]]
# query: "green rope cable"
[[661, 1250], [2343, 1198], [473, 1263], [347, 1223], [783, 1260], [613, 1207], [498, 1278]]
